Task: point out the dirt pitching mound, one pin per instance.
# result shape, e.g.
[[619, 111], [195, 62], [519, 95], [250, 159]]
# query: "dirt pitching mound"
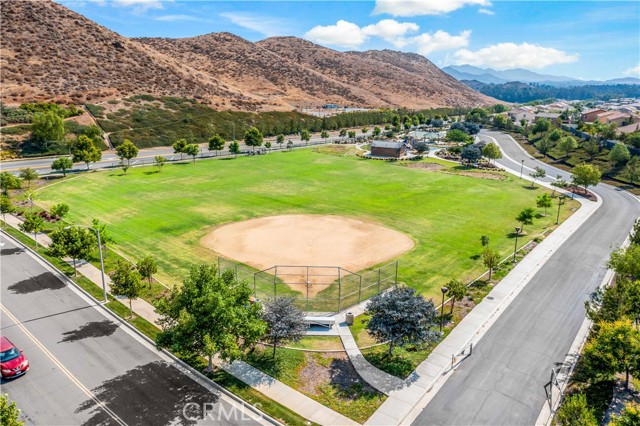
[[307, 240]]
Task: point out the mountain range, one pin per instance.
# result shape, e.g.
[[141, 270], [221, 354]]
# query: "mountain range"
[[491, 76], [50, 53]]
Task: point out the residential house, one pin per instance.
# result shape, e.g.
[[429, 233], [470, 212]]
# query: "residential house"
[[589, 116], [388, 149]]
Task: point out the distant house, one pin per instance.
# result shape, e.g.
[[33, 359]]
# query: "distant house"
[[388, 149], [589, 116], [548, 115], [520, 113], [629, 129], [612, 117]]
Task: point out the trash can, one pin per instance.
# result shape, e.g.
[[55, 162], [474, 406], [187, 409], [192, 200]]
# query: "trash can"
[[349, 318]]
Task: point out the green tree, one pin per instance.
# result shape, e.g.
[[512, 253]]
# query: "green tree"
[[555, 135], [32, 224], [305, 135], [210, 314], [6, 206], [457, 135], [280, 140], [490, 259], [179, 146], [626, 262], [614, 349], [73, 241], [234, 148], [544, 201], [619, 154], [160, 161], [147, 267], [324, 135], [253, 138], [632, 170], [364, 130], [567, 144], [401, 317], [28, 174], [484, 241], [491, 151], [629, 416], [525, 217], [576, 412], [591, 148], [105, 238], [343, 133], [499, 121], [352, 135], [216, 143], [193, 150], [47, 127], [127, 151], [60, 210], [541, 125], [84, 150], [62, 164], [544, 146], [9, 412], [267, 144], [126, 282], [9, 181], [376, 131], [457, 291], [585, 175], [285, 322]]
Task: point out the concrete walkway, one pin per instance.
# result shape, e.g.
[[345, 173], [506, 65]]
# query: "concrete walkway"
[[267, 385]]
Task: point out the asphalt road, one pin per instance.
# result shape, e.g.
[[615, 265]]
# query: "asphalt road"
[[109, 158], [86, 367], [502, 382]]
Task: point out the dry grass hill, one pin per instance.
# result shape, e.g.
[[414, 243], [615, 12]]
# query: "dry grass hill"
[[49, 52]]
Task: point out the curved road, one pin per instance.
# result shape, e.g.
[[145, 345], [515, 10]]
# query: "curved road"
[[502, 383]]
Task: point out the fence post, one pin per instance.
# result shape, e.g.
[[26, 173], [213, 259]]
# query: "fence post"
[[339, 289], [275, 278], [379, 277], [360, 289], [396, 278]]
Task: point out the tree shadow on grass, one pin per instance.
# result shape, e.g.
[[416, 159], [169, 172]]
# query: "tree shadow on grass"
[[393, 364], [262, 360], [475, 257], [154, 172]]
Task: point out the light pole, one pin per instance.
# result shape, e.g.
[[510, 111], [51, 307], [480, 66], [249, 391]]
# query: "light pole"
[[104, 285], [560, 200], [444, 290], [521, 167], [515, 246]]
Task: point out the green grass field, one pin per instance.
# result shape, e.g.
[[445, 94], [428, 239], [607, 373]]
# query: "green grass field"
[[166, 214]]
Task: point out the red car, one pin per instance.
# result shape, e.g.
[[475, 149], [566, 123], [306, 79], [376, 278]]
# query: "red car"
[[12, 361]]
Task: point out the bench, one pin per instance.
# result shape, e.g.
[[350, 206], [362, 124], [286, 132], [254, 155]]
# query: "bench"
[[321, 321]]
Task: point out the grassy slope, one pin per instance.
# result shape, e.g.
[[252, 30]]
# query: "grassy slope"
[[166, 214]]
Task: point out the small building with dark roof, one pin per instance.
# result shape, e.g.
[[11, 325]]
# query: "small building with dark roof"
[[388, 149]]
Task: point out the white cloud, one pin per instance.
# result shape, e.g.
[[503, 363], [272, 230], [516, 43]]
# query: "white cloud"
[[440, 40], [176, 18], [511, 55], [139, 6], [423, 7], [633, 71], [391, 31], [486, 11], [342, 34], [266, 25]]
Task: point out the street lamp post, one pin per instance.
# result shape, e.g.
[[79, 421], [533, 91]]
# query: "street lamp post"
[[444, 290], [515, 246], [560, 200], [104, 284], [521, 168]]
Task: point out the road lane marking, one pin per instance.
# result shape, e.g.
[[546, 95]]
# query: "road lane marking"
[[62, 368]]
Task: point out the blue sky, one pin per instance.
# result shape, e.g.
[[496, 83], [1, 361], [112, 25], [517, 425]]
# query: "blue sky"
[[590, 40]]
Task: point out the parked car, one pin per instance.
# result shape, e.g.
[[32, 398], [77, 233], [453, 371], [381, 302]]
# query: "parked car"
[[12, 361]]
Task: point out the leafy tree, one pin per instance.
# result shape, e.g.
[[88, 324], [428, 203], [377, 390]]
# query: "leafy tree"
[[544, 201], [633, 139], [576, 412], [267, 144], [402, 317], [126, 282], [626, 262], [457, 291], [619, 154], [32, 224], [210, 314], [73, 241], [490, 259], [234, 148], [615, 302], [395, 120], [614, 349], [567, 144], [629, 416], [484, 241], [253, 137], [28, 174], [352, 134], [47, 127], [591, 148], [9, 181], [305, 135], [343, 133], [634, 236], [6, 206], [421, 147], [290, 145], [499, 121], [525, 217], [193, 150], [9, 412], [147, 267], [491, 151], [127, 151], [457, 135], [179, 146], [471, 153], [216, 143], [632, 171], [84, 150], [160, 161], [365, 130], [324, 135], [541, 125], [376, 131], [555, 135], [62, 164], [280, 139], [585, 175], [60, 210], [285, 322], [105, 238], [544, 146]]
